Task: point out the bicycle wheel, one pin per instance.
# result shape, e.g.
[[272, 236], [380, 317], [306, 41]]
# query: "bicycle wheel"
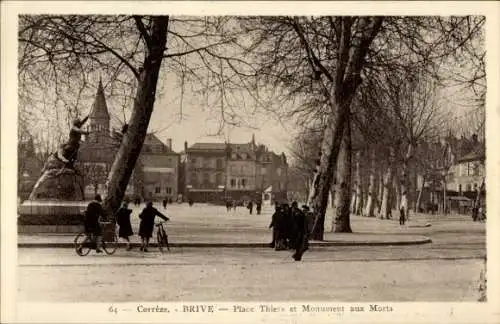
[[110, 246], [82, 245], [159, 240]]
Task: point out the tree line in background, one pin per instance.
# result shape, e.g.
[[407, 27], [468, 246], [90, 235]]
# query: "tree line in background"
[[365, 90]]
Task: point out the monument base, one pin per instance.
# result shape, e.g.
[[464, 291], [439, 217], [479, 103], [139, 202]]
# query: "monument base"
[[51, 216]]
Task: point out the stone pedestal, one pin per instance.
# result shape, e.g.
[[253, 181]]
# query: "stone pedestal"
[[56, 203]]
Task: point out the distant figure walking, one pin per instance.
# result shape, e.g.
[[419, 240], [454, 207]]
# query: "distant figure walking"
[[165, 201], [235, 204], [229, 204], [402, 209], [147, 224], [123, 221], [259, 207], [250, 206]]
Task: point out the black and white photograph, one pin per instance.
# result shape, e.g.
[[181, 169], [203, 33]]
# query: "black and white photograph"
[[263, 166]]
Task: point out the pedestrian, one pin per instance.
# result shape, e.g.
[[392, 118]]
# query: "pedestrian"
[[165, 203], [235, 204], [93, 214], [250, 206], [402, 209], [300, 235], [146, 226], [259, 207], [285, 225], [228, 205], [123, 221]]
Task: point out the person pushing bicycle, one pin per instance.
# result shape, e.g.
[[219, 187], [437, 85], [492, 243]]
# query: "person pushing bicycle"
[[93, 229]]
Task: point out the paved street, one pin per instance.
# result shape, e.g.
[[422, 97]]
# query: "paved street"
[[445, 270]]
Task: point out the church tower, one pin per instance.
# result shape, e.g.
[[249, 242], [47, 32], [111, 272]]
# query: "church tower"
[[99, 116]]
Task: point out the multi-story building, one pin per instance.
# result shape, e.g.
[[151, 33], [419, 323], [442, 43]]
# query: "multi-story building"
[[234, 171], [156, 172], [205, 170], [160, 169]]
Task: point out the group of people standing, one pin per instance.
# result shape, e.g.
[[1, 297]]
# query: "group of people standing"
[[232, 204], [291, 227], [95, 214]]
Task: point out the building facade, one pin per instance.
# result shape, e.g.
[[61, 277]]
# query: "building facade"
[[160, 169], [217, 172], [204, 171]]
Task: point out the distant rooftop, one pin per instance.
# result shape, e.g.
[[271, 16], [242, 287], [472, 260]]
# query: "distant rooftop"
[[208, 146]]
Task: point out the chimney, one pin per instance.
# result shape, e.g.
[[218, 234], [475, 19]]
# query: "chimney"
[[169, 143]]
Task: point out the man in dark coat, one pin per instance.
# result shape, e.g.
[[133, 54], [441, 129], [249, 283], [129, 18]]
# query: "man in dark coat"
[[300, 231], [123, 221], [259, 207], [250, 206], [91, 221], [147, 224], [285, 225]]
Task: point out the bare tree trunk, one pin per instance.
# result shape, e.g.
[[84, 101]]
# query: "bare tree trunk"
[[405, 180], [342, 222], [385, 206], [477, 201], [419, 199], [380, 190], [133, 139], [370, 204], [397, 189], [359, 186]]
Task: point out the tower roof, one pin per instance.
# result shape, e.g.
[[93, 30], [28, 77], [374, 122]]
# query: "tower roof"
[[99, 107]]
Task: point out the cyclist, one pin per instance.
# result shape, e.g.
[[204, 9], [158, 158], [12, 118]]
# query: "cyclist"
[[93, 229]]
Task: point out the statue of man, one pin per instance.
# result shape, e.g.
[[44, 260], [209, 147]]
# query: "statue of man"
[[69, 150]]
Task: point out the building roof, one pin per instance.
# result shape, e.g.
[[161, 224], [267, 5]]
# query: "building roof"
[[477, 154], [208, 146], [99, 107], [151, 141]]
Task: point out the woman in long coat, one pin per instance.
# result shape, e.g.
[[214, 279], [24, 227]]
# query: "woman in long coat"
[[123, 221], [147, 224]]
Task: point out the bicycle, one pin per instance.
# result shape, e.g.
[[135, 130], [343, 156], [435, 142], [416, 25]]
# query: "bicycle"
[[84, 243], [162, 237]]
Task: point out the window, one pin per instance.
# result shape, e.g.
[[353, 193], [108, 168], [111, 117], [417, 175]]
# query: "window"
[[169, 191], [244, 156], [219, 164], [233, 183], [263, 171], [233, 156], [206, 177], [157, 190], [243, 183], [460, 188], [468, 187], [169, 162], [193, 160], [218, 179], [206, 163], [278, 171]]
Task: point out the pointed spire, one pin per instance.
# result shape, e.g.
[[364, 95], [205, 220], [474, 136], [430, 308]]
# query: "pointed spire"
[[99, 115], [253, 138]]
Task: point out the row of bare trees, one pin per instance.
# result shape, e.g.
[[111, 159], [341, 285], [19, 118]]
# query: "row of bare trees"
[[368, 82]]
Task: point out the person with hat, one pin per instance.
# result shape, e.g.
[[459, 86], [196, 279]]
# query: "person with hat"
[[123, 221]]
